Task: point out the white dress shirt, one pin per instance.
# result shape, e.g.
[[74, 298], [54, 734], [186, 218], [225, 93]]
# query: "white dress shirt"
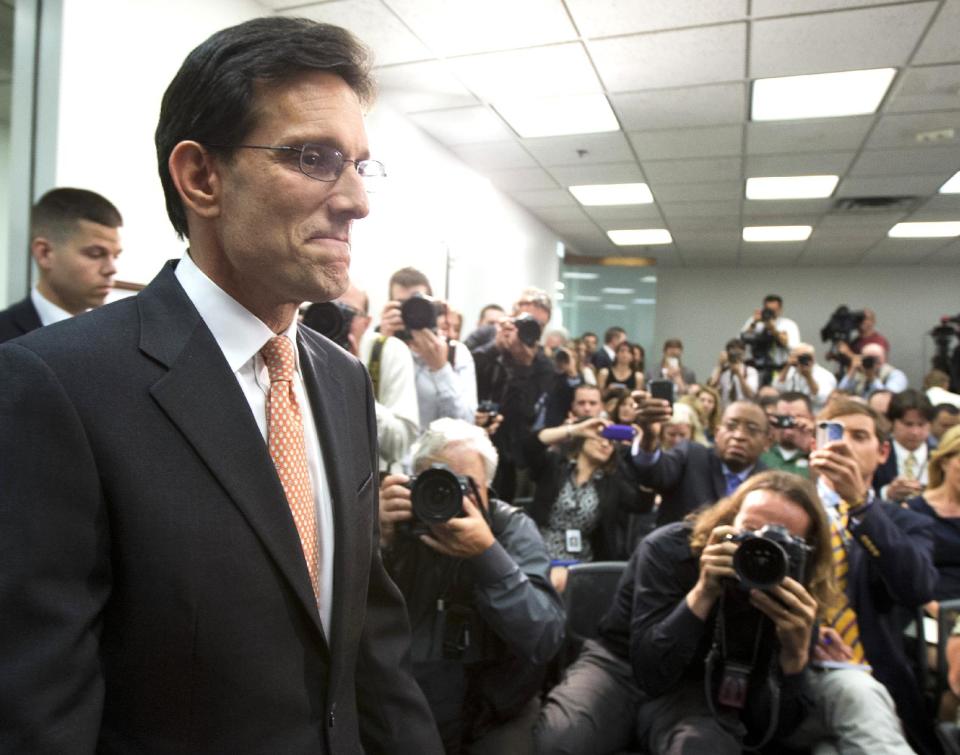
[[920, 455], [451, 391], [790, 379], [48, 312], [778, 353], [240, 336]]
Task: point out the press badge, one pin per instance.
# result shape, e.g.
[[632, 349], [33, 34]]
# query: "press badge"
[[574, 541]]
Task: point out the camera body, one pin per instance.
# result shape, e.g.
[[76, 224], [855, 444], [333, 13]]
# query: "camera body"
[[419, 312], [869, 362], [767, 314], [768, 555], [528, 329], [783, 421], [436, 495], [491, 409], [805, 360], [332, 319]]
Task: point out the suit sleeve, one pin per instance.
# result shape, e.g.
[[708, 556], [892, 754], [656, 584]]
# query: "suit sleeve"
[[665, 472], [394, 715], [54, 565]]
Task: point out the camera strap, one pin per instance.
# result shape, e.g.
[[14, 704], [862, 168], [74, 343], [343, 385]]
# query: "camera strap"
[[373, 366]]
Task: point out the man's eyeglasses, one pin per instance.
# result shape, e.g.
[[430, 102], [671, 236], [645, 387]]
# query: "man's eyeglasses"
[[320, 162], [750, 428]]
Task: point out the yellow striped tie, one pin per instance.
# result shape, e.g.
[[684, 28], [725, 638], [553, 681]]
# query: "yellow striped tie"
[[842, 617]]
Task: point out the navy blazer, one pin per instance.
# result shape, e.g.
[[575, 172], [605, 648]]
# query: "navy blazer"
[[153, 589], [888, 472], [687, 476], [891, 569], [18, 319]]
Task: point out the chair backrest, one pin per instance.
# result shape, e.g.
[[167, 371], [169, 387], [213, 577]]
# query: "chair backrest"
[[946, 618], [589, 593]]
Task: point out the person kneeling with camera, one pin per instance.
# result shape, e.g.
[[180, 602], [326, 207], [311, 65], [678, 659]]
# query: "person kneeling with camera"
[[723, 609], [475, 576]]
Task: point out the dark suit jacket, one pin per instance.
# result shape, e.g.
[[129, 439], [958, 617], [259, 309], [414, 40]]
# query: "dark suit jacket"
[[892, 569], [152, 586], [687, 476], [18, 319], [601, 359], [888, 472]]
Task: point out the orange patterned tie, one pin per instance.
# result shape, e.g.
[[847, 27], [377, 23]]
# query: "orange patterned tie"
[[288, 450]]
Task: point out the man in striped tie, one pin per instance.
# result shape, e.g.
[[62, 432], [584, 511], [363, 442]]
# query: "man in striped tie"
[[883, 563]]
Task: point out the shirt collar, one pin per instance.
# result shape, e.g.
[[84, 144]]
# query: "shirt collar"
[[920, 454], [48, 312], [741, 475], [238, 332]]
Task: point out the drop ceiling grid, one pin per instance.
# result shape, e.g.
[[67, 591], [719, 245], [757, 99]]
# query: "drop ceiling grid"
[[872, 154]]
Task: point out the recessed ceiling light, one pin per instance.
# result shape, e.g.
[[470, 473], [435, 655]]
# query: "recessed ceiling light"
[[649, 279], [598, 195], [821, 95], [611, 290], [777, 232], [558, 116], [614, 306], [640, 236], [925, 230], [644, 301], [791, 187], [952, 186], [587, 298], [576, 276]]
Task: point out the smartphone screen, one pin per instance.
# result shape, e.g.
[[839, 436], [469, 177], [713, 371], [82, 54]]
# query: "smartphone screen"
[[828, 431]]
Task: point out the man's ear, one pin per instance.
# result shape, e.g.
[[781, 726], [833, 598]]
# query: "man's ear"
[[884, 452], [42, 251], [196, 174]]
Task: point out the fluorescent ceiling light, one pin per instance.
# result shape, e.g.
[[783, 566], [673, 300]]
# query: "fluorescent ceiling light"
[[625, 291], [791, 187], [559, 285], [649, 279], [574, 275], [558, 116], [598, 195], [952, 186], [640, 236], [777, 232], [822, 95], [614, 306], [924, 230], [644, 301], [587, 298]]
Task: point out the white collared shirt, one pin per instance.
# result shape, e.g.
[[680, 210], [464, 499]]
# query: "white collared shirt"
[[921, 458], [48, 312], [240, 336]]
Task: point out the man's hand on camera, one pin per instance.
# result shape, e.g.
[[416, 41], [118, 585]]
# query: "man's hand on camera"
[[831, 647], [395, 507], [517, 349], [722, 361], [793, 611], [430, 347], [837, 463], [463, 536], [488, 423], [716, 564], [391, 322]]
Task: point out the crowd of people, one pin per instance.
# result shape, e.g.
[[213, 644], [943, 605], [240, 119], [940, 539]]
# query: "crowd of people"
[[200, 559]]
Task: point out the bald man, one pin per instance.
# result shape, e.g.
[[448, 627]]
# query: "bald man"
[[869, 372]]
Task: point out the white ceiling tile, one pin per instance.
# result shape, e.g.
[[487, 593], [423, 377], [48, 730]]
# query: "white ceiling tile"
[[522, 179], [812, 259], [422, 86], [461, 27], [545, 198], [691, 142], [943, 203], [495, 156], [887, 186], [463, 125], [624, 213], [837, 41], [692, 171], [949, 255], [805, 164], [602, 18], [390, 41], [673, 58], [553, 71], [683, 210], [927, 88], [855, 223], [902, 130], [774, 207], [769, 257], [559, 214], [938, 161], [762, 8], [605, 173], [815, 135], [840, 247], [786, 219], [940, 43], [680, 108], [902, 251], [564, 150], [697, 191], [706, 226], [580, 226]]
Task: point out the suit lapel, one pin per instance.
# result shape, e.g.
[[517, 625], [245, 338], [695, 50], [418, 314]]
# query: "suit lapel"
[[716, 477], [201, 396], [25, 316]]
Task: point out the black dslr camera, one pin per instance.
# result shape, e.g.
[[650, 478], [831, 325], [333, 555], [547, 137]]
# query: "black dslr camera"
[[332, 319], [528, 329], [767, 556], [436, 495], [419, 312], [783, 421]]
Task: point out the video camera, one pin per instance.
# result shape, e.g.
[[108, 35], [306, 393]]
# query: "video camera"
[[843, 326], [436, 496], [943, 334]]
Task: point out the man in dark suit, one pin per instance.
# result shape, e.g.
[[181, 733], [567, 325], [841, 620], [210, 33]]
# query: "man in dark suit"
[[903, 474], [75, 243], [690, 475], [603, 358], [189, 513]]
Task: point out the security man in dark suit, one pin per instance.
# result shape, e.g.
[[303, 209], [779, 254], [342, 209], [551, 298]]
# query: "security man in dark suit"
[[690, 475], [74, 240], [188, 524]]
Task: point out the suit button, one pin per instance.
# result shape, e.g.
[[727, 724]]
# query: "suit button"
[[331, 719]]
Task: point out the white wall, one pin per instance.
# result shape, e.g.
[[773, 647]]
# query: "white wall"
[[4, 203], [707, 306], [118, 57]]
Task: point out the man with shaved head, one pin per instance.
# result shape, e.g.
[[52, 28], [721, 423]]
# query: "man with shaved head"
[[803, 375], [869, 372]]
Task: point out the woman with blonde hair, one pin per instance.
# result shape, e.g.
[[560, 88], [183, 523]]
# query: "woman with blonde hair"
[[708, 401]]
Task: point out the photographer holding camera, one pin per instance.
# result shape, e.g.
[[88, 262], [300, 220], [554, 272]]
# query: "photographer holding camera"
[[802, 374], [868, 371], [444, 369], [732, 378], [794, 430], [769, 321], [475, 575]]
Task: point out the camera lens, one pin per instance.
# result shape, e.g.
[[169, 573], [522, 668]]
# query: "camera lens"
[[869, 362], [332, 319], [760, 563], [419, 312], [436, 496], [528, 329]]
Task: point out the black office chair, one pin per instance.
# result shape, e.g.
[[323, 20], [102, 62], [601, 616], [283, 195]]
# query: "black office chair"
[[589, 593], [947, 731]]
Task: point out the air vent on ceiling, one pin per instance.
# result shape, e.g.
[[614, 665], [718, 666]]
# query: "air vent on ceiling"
[[874, 204]]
